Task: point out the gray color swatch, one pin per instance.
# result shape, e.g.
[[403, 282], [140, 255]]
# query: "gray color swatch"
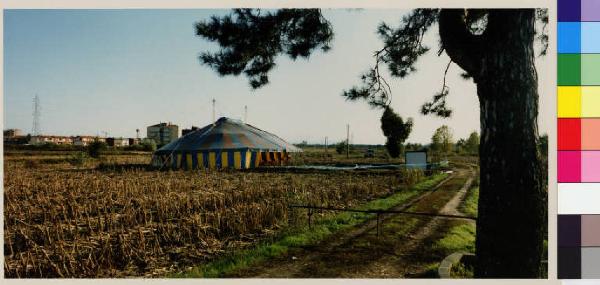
[[590, 260]]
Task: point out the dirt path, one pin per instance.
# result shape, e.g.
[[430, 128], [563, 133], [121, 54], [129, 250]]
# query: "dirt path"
[[391, 266], [360, 253]]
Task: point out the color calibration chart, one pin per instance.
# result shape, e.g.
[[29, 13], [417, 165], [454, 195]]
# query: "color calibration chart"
[[578, 139]]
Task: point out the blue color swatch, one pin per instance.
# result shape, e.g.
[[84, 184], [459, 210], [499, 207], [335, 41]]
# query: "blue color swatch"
[[569, 37], [590, 37]]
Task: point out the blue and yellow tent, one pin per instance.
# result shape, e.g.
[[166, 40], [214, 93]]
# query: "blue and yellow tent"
[[227, 143]]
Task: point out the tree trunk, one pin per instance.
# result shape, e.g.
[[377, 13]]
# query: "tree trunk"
[[512, 200], [512, 204]]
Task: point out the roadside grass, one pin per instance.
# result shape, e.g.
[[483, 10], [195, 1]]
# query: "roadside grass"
[[458, 238], [430, 271], [304, 236], [469, 206]]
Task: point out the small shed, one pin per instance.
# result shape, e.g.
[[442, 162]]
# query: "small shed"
[[416, 159]]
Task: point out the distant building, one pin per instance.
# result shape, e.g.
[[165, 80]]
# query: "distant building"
[[117, 142], [187, 131], [84, 140], [50, 139], [11, 133], [134, 141], [163, 133], [16, 140]]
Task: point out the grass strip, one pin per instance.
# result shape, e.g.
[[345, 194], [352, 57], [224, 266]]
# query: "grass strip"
[[303, 236], [469, 206], [459, 238]]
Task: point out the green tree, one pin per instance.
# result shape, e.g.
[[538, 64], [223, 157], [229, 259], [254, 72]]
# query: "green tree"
[[341, 147], [148, 145], [494, 48], [472, 143], [441, 141], [95, 148], [414, 146], [460, 145], [395, 130]]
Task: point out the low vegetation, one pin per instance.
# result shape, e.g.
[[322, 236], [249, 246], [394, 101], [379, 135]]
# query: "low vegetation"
[[302, 236], [64, 217]]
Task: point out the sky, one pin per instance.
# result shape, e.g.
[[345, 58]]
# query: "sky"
[[116, 71]]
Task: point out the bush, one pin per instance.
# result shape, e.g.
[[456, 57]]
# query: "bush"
[[341, 147], [149, 145], [95, 148], [78, 159]]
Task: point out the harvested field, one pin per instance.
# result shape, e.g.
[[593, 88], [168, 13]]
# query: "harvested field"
[[65, 221]]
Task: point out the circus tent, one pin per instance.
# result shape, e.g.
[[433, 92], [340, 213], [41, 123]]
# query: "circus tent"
[[227, 143]]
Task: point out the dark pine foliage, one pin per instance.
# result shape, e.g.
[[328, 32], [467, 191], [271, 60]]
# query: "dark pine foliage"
[[250, 39], [395, 130]]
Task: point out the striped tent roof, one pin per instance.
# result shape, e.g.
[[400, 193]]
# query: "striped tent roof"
[[228, 134]]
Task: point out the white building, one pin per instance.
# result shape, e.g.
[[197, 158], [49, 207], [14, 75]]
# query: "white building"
[[163, 133]]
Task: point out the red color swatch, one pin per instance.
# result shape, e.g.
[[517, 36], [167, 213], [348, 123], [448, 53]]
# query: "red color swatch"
[[569, 134]]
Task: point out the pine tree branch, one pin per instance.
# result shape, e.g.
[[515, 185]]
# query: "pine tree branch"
[[460, 44]]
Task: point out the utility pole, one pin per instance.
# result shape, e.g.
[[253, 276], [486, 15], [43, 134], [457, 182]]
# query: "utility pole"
[[325, 144], [246, 114], [213, 111], [347, 140]]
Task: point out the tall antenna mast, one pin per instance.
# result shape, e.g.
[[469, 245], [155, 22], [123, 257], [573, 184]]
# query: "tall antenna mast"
[[246, 114], [213, 109], [37, 109]]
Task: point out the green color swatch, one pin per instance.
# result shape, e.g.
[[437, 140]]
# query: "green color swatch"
[[590, 69], [569, 69]]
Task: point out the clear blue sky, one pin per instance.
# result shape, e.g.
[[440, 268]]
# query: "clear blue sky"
[[118, 70]]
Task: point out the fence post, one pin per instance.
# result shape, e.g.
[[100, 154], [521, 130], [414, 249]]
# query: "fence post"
[[310, 213], [378, 224]]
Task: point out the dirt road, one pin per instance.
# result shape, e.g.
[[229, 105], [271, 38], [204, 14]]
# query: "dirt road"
[[401, 250]]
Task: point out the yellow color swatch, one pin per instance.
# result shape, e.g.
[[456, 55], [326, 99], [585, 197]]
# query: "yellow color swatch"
[[569, 102], [590, 101]]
